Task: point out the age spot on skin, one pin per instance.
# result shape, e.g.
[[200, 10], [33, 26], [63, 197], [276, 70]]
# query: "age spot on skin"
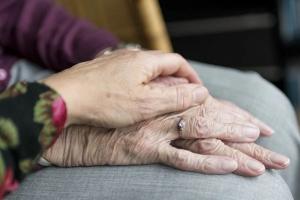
[[108, 95]]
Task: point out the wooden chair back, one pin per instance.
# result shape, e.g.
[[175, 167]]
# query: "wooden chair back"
[[133, 21]]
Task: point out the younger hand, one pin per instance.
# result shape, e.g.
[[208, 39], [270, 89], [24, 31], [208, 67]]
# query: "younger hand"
[[114, 90]]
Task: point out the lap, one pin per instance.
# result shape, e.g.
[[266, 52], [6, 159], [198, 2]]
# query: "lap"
[[247, 90], [153, 182]]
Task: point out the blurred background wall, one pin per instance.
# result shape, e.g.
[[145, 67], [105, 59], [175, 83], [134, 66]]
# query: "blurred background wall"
[[262, 36]]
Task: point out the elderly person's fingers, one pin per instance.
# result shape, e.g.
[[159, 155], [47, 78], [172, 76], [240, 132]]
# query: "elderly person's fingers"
[[197, 126], [268, 158], [247, 166], [231, 114], [188, 161], [264, 128]]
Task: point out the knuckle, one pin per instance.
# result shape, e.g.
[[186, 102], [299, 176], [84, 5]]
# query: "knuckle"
[[230, 129], [180, 159], [178, 56], [204, 127], [259, 152], [235, 154], [231, 144], [253, 150], [206, 165], [183, 98], [198, 127], [208, 146], [231, 132]]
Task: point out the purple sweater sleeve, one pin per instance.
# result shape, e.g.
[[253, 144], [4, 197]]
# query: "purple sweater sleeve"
[[43, 32]]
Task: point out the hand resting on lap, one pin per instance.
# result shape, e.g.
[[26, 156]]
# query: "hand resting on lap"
[[218, 139]]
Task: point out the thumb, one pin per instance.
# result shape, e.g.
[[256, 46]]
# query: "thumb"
[[176, 98]]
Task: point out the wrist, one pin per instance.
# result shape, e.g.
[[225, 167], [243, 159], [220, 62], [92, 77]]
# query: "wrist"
[[55, 85]]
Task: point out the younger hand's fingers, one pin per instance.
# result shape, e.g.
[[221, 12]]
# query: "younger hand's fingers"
[[200, 127], [188, 161], [172, 64], [264, 128], [247, 166], [168, 81], [268, 158], [164, 100]]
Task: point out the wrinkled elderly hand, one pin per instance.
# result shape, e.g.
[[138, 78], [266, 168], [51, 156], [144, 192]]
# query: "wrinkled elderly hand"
[[150, 142], [224, 114], [113, 90], [252, 158], [221, 115], [146, 143]]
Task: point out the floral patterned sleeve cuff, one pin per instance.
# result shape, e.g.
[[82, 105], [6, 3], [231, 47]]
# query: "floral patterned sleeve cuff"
[[31, 117]]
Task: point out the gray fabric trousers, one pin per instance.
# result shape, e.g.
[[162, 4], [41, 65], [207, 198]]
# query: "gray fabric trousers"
[[248, 90]]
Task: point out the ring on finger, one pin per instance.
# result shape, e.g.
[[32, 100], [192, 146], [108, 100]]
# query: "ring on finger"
[[181, 125]]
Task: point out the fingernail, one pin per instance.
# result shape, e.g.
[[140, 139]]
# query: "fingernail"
[[251, 132], [256, 166], [229, 165], [199, 94], [267, 129], [280, 160]]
